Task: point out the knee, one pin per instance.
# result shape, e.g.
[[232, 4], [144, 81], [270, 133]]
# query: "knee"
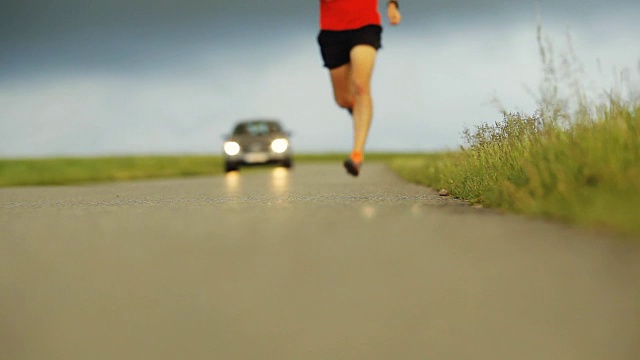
[[362, 88], [344, 102]]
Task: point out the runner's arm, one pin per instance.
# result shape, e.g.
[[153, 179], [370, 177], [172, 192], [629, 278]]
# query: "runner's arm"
[[393, 12]]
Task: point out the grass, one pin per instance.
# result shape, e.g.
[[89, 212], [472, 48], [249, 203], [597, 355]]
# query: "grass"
[[576, 159], [586, 173], [62, 171]]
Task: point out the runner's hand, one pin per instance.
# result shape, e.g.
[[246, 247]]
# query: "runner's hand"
[[394, 14]]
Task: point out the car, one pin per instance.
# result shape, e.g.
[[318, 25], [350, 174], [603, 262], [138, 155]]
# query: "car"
[[257, 142]]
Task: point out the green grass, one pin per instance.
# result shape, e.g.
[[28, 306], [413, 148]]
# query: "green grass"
[[586, 171], [62, 171], [577, 158]]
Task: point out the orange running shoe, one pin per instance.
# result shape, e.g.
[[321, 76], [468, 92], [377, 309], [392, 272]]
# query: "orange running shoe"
[[354, 163]]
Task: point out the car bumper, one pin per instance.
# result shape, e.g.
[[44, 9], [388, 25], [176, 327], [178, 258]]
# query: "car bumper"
[[251, 158]]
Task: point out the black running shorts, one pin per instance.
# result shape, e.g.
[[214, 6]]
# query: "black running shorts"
[[336, 46]]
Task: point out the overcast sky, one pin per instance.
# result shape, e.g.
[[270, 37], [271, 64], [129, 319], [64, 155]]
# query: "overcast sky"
[[88, 77]]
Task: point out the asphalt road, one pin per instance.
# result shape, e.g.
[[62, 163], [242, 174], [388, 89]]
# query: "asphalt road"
[[307, 264]]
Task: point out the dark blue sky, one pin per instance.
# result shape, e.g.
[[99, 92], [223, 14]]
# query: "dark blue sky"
[[98, 77], [127, 34]]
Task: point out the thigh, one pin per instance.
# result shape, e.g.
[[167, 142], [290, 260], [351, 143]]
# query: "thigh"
[[341, 81], [365, 43], [363, 58]]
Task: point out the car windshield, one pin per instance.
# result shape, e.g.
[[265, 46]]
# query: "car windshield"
[[256, 128]]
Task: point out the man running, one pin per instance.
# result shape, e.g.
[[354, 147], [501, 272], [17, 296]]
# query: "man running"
[[350, 32]]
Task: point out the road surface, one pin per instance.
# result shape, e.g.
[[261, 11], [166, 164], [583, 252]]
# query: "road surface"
[[307, 264]]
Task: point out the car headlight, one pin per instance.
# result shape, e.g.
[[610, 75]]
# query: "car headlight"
[[279, 145], [231, 148]]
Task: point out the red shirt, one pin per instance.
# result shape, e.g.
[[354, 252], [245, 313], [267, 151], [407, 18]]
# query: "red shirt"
[[348, 14]]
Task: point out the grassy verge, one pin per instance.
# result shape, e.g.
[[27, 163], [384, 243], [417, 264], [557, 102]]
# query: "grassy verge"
[[577, 158], [586, 170]]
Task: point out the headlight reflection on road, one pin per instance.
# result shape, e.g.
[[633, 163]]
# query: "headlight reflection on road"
[[232, 180], [368, 212], [279, 180]]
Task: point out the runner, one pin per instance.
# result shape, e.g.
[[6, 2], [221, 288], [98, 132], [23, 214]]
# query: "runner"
[[350, 32]]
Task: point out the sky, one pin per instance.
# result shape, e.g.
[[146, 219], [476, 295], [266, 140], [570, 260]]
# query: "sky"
[[90, 77]]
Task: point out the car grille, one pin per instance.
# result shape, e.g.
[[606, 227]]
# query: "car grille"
[[256, 147]]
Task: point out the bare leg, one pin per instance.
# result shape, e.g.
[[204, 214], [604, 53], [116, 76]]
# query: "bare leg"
[[352, 90], [343, 86], [362, 61]]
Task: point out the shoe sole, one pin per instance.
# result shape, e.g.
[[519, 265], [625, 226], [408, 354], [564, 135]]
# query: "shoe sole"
[[351, 168]]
